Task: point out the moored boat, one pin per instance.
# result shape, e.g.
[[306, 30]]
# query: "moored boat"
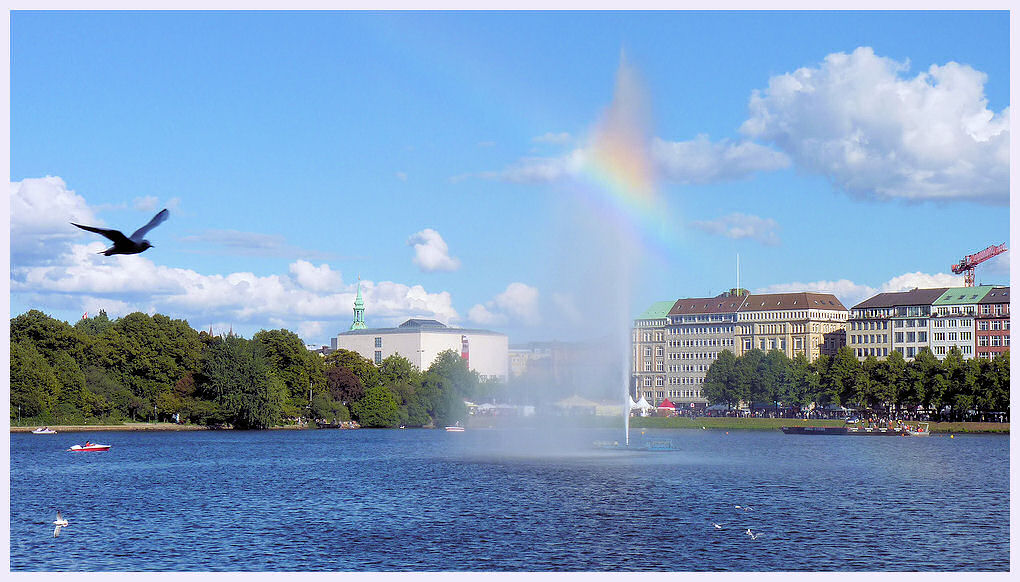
[[901, 430], [44, 430], [455, 428]]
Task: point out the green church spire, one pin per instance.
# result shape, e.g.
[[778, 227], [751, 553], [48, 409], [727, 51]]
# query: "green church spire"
[[359, 310]]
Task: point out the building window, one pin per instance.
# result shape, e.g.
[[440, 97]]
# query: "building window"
[[378, 357], [378, 342]]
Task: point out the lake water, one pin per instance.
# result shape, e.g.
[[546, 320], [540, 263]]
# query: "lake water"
[[506, 500]]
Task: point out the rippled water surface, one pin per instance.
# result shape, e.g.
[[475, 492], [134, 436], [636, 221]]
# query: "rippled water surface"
[[508, 500]]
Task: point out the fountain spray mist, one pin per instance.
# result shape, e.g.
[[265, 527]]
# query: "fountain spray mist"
[[615, 209]]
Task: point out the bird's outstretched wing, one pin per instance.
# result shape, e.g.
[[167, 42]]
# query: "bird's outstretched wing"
[[56, 531], [139, 234], [115, 235]]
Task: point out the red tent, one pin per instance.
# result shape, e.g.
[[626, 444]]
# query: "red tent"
[[666, 404]]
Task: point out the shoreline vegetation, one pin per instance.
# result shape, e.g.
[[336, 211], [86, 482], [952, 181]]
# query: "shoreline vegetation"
[[636, 424]]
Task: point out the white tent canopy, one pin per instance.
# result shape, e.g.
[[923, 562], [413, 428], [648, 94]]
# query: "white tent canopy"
[[642, 405]]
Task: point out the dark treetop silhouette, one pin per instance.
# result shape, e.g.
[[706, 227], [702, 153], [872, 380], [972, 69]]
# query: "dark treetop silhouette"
[[123, 245]]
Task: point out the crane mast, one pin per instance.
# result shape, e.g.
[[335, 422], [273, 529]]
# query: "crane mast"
[[967, 263]]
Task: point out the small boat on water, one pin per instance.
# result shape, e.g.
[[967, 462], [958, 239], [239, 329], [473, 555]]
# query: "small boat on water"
[[901, 430], [44, 430], [87, 447], [455, 428]]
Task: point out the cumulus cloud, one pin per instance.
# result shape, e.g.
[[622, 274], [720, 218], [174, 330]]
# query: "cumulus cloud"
[[850, 293], [51, 272], [875, 132], [314, 297], [319, 279], [738, 225], [431, 252], [41, 210], [518, 304]]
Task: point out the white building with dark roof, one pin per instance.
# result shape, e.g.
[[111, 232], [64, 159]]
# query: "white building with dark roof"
[[422, 340]]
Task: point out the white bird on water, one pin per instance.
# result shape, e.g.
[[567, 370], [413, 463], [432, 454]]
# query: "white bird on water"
[[753, 535], [59, 522], [717, 526]]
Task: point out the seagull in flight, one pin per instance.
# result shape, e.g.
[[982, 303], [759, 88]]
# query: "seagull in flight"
[[717, 526], [753, 535], [124, 245], [59, 522]]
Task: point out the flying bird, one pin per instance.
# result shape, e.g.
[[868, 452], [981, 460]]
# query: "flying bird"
[[753, 535], [59, 522], [717, 526], [123, 245]]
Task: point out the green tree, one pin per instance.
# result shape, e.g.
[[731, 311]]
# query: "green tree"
[[360, 366], [377, 409], [237, 374], [839, 379], [301, 371], [94, 326], [33, 383], [449, 365], [745, 370], [721, 380], [397, 369], [929, 383]]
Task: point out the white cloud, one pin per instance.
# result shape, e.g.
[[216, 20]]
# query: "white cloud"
[[850, 293], [431, 252], [538, 170], [41, 210], [874, 132], [701, 161], [518, 304], [146, 203], [697, 161], [738, 225], [321, 278]]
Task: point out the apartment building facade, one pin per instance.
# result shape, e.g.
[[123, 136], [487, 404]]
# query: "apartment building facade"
[[813, 324], [992, 324], [699, 329], [648, 357], [974, 320], [892, 321]]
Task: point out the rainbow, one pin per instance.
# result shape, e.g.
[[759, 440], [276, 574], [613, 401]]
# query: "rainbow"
[[618, 179]]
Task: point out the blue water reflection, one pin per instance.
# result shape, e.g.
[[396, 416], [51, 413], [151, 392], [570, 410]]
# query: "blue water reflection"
[[509, 500]]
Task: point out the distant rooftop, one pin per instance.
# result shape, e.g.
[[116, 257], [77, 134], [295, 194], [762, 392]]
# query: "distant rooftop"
[[416, 325], [912, 297]]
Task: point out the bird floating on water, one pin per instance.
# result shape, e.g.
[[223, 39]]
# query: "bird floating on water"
[[124, 245], [59, 522], [717, 526]]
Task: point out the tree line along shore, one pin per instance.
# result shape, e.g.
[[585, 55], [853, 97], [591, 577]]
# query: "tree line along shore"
[[142, 369], [152, 369]]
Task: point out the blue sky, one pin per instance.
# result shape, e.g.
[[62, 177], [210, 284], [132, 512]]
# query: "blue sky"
[[431, 155]]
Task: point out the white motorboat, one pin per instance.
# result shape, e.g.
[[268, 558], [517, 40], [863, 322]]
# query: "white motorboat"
[[44, 430]]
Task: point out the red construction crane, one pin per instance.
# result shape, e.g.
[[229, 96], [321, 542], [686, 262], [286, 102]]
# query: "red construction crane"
[[967, 264]]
